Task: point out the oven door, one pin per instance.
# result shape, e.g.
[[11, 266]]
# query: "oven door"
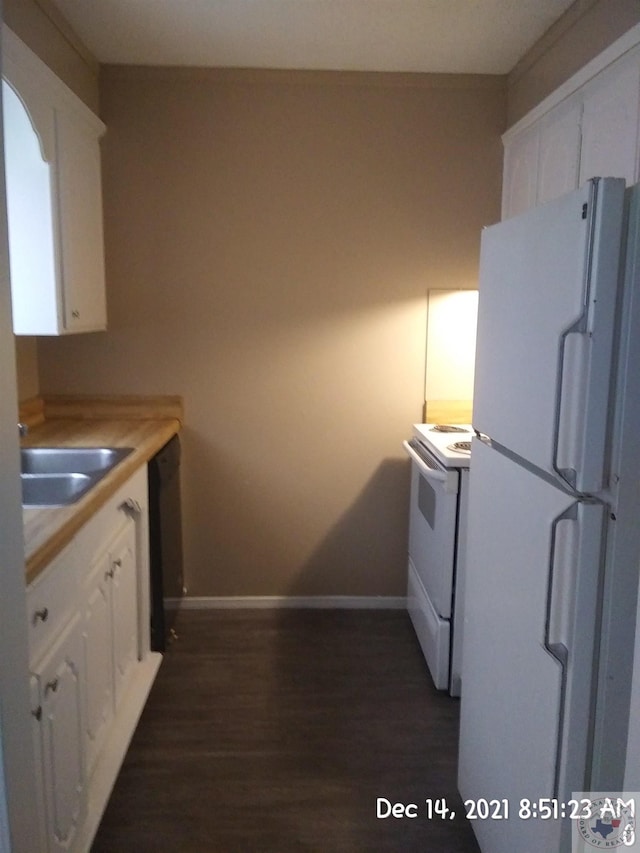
[[432, 544], [432, 526]]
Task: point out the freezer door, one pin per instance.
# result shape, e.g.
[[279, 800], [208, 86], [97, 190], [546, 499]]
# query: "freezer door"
[[546, 314], [533, 565]]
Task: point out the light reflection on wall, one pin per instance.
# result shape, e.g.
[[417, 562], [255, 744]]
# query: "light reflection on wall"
[[451, 344]]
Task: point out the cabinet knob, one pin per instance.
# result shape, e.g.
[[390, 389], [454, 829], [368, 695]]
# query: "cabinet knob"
[[41, 615], [131, 506], [117, 563], [37, 713], [51, 686], [75, 314], [109, 573]]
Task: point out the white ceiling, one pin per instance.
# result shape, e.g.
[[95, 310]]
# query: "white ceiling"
[[463, 36]]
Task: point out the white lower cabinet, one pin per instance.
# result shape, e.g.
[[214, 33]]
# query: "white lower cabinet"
[[91, 668], [60, 679], [36, 731], [110, 635], [124, 608], [98, 649]]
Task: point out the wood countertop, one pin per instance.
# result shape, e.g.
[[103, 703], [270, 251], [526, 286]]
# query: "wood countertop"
[[146, 428]]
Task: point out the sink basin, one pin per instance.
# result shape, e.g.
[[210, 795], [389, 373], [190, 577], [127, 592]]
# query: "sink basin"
[[54, 489], [70, 460], [59, 476]]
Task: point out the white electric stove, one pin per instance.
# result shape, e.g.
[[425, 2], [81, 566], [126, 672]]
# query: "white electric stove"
[[440, 456], [449, 443]]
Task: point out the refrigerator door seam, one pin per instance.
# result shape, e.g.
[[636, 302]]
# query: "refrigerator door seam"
[[583, 418], [558, 482]]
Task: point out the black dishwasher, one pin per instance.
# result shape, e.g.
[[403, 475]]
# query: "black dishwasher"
[[165, 542]]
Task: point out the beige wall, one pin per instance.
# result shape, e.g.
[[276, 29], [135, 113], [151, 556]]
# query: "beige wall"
[[584, 31], [270, 239], [27, 367]]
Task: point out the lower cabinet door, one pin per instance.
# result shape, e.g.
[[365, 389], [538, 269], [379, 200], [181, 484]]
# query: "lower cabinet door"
[[38, 789], [124, 604], [60, 678], [98, 640]]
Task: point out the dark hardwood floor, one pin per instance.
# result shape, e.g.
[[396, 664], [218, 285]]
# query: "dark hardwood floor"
[[277, 730]]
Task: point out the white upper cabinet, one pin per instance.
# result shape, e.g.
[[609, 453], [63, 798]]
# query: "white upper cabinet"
[[519, 187], [559, 160], [610, 124], [587, 129], [54, 199]]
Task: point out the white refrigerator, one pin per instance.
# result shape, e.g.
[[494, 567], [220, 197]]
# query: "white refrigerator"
[[554, 512]]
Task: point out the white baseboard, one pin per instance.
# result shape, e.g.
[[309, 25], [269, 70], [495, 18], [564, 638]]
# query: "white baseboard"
[[318, 602]]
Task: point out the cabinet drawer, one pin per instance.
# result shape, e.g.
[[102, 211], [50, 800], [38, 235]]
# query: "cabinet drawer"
[[51, 599], [433, 633]]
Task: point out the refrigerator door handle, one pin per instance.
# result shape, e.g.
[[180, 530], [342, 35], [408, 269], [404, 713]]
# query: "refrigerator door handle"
[[568, 475], [555, 629], [570, 631]]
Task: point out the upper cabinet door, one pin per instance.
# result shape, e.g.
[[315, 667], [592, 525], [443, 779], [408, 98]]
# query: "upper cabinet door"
[[578, 133], [519, 188], [80, 207], [54, 199], [542, 161], [30, 207], [610, 124], [559, 160]]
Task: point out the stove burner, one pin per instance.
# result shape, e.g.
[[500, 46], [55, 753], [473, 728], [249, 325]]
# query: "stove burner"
[[447, 428], [461, 447]]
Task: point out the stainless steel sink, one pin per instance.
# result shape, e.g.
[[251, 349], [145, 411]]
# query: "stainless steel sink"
[[59, 476], [70, 460], [54, 489]]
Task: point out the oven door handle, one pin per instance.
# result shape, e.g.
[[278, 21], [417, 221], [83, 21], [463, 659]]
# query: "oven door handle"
[[448, 479], [431, 473]]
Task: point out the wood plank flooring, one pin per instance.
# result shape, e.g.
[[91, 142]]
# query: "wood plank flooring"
[[277, 730]]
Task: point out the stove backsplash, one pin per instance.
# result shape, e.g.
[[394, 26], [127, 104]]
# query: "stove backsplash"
[[450, 355]]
